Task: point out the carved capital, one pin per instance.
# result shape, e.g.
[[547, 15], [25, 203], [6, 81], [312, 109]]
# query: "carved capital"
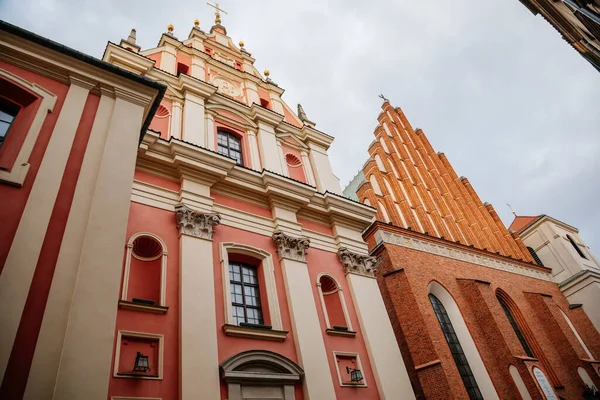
[[196, 223], [291, 247], [356, 263]]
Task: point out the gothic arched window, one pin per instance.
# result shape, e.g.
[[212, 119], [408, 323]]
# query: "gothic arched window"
[[577, 249], [456, 349], [535, 256], [230, 145], [515, 326]]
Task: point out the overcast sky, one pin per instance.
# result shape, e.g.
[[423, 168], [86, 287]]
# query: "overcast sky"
[[512, 105]]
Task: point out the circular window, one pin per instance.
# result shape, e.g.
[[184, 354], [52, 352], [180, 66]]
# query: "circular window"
[[292, 160], [146, 248]]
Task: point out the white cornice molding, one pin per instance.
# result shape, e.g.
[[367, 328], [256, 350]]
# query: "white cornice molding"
[[127, 59], [457, 254], [545, 218], [62, 67]]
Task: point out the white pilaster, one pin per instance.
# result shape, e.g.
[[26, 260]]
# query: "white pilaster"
[[252, 90], [199, 359], [308, 171], [284, 167], [24, 252], [193, 120], [198, 68], [92, 319], [209, 125], [324, 177], [386, 360], [269, 151], [254, 155], [310, 346], [276, 103], [176, 115], [168, 60], [46, 359]]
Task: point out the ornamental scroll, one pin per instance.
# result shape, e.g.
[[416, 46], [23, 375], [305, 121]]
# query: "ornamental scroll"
[[196, 223], [358, 264], [291, 247]]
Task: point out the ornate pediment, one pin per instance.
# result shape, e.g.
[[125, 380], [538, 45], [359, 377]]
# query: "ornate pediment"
[[291, 247], [196, 223], [355, 263]]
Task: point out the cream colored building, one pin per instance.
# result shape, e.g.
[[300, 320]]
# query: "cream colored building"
[[574, 267]]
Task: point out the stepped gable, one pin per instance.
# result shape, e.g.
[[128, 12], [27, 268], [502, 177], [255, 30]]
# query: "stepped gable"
[[415, 187]]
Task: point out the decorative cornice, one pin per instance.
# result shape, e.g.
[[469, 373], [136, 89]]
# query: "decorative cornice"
[[291, 247], [355, 263], [196, 223], [457, 254]]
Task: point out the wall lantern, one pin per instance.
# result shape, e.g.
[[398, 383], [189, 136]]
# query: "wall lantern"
[[355, 374], [141, 363]]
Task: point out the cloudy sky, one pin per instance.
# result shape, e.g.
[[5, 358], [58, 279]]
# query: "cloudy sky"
[[513, 106]]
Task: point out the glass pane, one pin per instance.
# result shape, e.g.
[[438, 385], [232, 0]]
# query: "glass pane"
[[234, 144], [6, 117], [456, 349], [3, 129]]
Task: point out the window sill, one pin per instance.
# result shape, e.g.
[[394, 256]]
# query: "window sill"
[[354, 385], [526, 358], [138, 376], [337, 332], [154, 309], [254, 333]]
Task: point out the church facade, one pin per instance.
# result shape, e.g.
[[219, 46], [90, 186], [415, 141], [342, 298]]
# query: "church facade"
[[475, 316], [175, 231]]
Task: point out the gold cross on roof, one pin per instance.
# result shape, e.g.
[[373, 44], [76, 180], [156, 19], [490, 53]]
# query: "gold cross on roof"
[[218, 12]]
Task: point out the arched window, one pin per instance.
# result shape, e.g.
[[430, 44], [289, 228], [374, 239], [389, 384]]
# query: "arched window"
[[245, 294], [8, 112], [535, 256], [577, 249], [456, 349], [524, 334], [145, 275], [249, 293], [334, 306], [230, 145], [514, 325]]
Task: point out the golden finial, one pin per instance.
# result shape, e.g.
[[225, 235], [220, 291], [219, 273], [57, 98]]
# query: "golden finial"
[[196, 22], [241, 43], [267, 73], [170, 28]]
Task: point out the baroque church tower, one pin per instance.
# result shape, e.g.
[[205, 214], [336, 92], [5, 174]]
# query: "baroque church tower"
[[474, 314]]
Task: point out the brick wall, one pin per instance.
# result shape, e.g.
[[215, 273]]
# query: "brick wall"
[[404, 276]]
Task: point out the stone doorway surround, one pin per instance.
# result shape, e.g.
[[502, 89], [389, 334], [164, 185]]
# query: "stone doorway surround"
[[260, 374]]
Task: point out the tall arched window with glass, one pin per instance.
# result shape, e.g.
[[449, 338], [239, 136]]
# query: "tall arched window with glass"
[[515, 326], [456, 349], [230, 145]]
